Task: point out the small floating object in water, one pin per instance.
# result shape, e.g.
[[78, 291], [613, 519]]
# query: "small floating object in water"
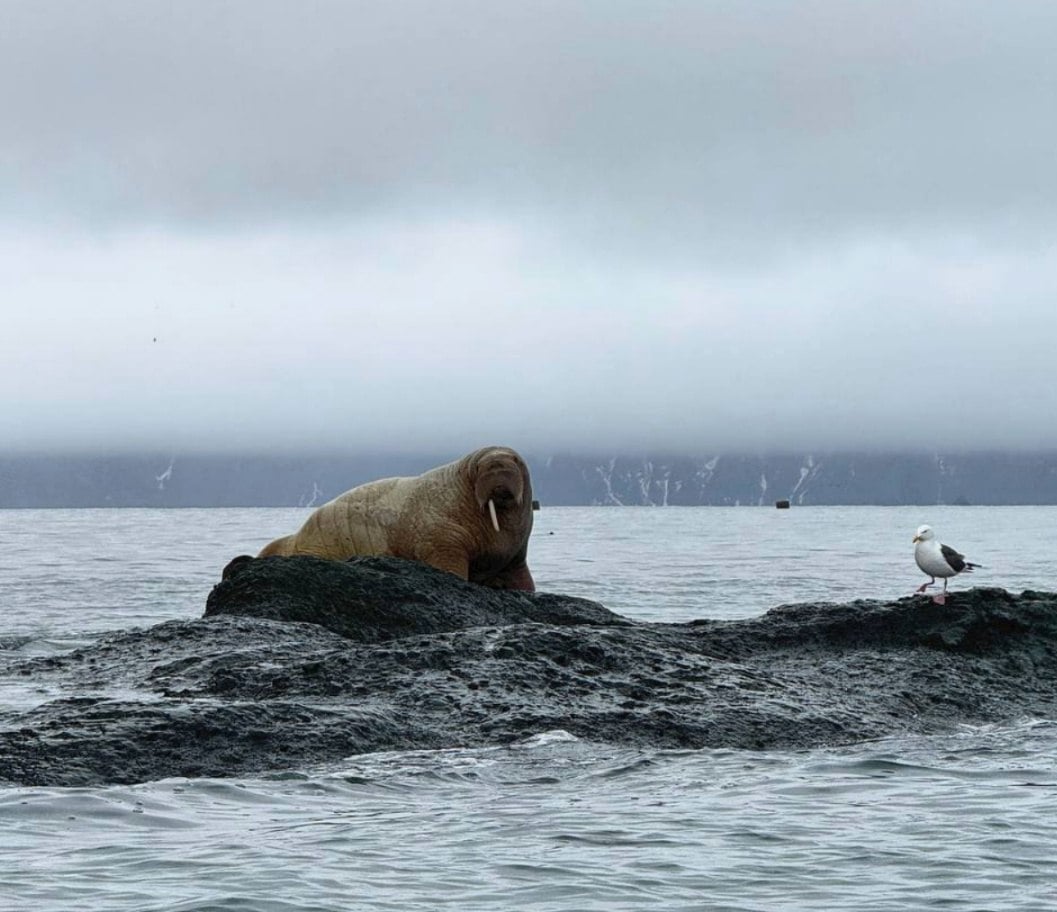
[[782, 504]]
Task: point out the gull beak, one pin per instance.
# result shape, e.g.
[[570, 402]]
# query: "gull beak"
[[916, 539]]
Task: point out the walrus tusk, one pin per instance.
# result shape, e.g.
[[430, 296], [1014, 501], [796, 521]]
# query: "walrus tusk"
[[491, 512]]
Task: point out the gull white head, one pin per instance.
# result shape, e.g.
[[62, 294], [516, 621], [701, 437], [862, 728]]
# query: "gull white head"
[[924, 533]]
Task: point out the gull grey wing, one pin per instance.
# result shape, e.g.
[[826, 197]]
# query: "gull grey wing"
[[952, 557]]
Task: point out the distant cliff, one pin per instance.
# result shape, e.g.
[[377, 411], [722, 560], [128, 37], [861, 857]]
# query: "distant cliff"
[[838, 478], [718, 480]]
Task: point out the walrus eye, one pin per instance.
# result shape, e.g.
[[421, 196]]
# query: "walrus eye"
[[491, 512]]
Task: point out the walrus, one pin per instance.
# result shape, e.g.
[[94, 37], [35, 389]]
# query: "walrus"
[[471, 517]]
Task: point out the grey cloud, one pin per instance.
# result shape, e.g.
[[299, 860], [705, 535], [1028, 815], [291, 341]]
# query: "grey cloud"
[[348, 341], [630, 121], [609, 224]]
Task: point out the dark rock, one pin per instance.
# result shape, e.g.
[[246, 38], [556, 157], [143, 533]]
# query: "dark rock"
[[300, 662], [380, 598]]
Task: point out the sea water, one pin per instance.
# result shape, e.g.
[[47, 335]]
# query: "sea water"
[[965, 821]]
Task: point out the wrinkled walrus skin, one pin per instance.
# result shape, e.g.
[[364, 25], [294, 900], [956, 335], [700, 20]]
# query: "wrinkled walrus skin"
[[441, 517]]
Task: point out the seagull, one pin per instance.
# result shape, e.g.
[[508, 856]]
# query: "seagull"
[[938, 560]]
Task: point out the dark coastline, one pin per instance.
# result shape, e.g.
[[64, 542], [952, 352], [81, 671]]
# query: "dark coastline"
[[257, 480]]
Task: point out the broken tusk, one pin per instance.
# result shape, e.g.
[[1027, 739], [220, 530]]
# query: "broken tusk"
[[491, 512]]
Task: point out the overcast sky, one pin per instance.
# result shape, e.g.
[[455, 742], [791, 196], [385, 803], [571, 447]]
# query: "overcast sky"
[[695, 226]]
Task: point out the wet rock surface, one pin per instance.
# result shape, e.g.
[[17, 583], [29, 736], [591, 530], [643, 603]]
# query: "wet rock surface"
[[300, 662]]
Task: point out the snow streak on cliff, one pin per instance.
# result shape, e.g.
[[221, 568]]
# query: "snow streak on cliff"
[[165, 480]]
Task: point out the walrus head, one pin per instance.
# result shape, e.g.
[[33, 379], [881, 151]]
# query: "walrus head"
[[500, 482]]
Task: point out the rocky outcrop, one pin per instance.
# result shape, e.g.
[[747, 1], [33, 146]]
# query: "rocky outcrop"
[[300, 662]]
